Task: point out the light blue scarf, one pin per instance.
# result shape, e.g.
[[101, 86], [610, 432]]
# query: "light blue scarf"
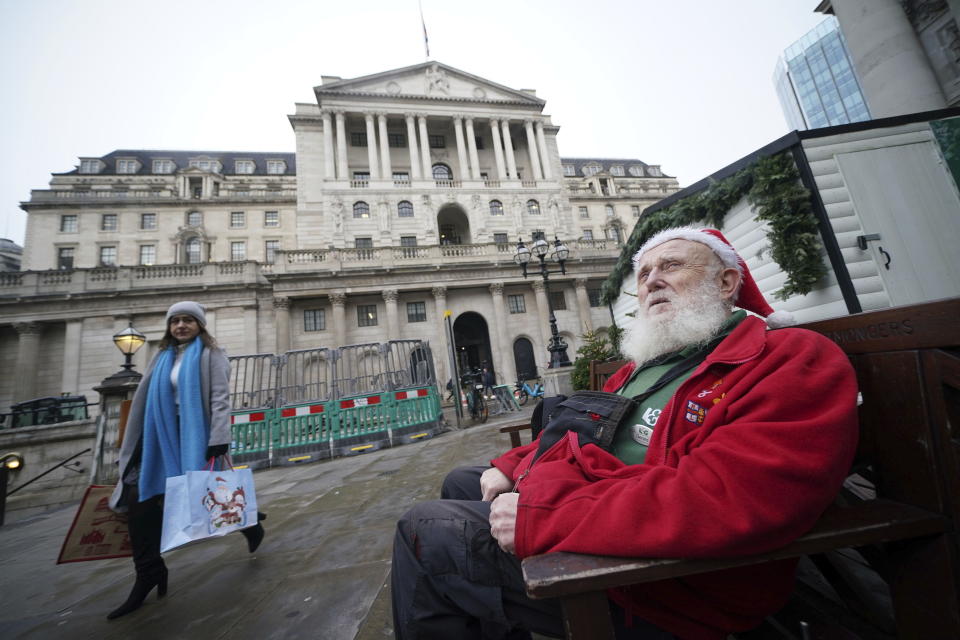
[[172, 449]]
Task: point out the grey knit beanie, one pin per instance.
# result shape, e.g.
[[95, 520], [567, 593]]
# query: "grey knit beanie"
[[194, 309]]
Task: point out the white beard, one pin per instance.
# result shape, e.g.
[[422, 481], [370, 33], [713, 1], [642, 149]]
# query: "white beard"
[[694, 318]]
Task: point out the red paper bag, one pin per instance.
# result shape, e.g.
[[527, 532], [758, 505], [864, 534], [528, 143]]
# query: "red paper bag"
[[97, 533]]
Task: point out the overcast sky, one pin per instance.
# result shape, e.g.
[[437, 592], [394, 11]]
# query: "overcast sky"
[[685, 84]]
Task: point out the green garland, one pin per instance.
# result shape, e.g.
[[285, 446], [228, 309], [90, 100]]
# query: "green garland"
[[772, 185]]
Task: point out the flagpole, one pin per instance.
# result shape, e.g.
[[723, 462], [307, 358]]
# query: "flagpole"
[[426, 41]]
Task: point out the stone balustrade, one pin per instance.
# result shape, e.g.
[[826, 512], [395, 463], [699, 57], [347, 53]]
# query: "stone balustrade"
[[46, 196]]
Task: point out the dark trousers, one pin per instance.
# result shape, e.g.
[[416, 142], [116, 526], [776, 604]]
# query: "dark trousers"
[[145, 524], [450, 579]]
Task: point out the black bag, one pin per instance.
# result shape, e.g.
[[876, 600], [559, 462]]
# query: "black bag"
[[596, 415]]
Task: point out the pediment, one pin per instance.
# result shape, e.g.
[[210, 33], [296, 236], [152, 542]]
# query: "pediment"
[[429, 80]]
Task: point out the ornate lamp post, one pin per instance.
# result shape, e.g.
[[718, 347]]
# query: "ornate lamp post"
[[540, 248], [129, 341]]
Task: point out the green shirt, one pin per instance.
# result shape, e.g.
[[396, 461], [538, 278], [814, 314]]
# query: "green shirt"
[[631, 440]]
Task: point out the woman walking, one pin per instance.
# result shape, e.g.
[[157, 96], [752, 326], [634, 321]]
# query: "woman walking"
[[179, 420]]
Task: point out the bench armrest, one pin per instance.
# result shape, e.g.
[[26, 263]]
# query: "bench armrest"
[[563, 574], [514, 430]]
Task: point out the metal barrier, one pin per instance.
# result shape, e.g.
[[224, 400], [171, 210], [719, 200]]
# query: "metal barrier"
[[321, 403]]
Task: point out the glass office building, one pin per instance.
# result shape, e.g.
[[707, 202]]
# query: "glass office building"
[[816, 83]]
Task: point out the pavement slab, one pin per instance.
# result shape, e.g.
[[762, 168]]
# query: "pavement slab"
[[322, 571]]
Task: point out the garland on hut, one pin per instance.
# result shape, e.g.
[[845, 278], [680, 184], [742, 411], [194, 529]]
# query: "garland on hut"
[[772, 185]]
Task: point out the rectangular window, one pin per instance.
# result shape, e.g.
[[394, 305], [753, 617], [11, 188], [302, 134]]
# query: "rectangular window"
[[163, 166], [65, 257], [569, 170], [588, 234], [609, 210], [89, 166], [539, 234], [361, 176], [635, 210], [401, 176], [366, 315], [500, 238], [584, 212], [437, 142], [558, 301], [363, 243], [271, 218], [108, 222], [314, 320], [408, 241], [148, 254], [68, 223], [358, 139], [270, 248], [148, 221], [416, 312], [127, 166], [108, 256], [516, 303], [276, 167], [616, 170], [238, 251], [243, 166], [479, 142], [593, 295], [238, 219], [397, 140]]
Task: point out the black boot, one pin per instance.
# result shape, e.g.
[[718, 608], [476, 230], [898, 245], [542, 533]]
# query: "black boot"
[[145, 522], [254, 534]]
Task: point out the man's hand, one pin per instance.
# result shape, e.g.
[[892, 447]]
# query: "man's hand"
[[503, 520], [493, 482]]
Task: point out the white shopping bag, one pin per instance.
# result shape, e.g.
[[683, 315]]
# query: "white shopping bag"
[[206, 504]]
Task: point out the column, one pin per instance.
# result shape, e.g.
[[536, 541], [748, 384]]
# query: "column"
[[329, 171], [72, 339], [338, 301], [508, 149], [472, 148], [502, 349], [544, 156], [28, 352], [281, 320], [891, 64], [424, 148], [343, 172], [461, 148], [583, 304], [390, 297], [372, 147], [251, 329], [497, 147], [543, 315], [441, 356], [532, 149], [412, 146], [385, 169]]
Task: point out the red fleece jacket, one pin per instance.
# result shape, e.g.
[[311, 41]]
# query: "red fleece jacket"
[[745, 456]]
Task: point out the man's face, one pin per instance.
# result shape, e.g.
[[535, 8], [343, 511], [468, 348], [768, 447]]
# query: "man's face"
[[669, 271]]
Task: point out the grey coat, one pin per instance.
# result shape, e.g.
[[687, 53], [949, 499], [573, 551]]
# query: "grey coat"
[[215, 392]]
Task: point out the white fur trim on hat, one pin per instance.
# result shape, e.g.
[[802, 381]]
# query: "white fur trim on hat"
[[728, 256]]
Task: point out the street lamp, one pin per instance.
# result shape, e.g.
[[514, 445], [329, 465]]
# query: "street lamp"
[[129, 341], [540, 248], [8, 462]]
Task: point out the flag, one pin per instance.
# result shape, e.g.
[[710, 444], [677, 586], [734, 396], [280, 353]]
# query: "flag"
[[426, 41]]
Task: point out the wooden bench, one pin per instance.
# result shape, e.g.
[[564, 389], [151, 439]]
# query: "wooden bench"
[[907, 362]]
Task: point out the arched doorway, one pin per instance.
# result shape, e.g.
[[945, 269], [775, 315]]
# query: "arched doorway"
[[524, 359], [453, 225], [472, 341]]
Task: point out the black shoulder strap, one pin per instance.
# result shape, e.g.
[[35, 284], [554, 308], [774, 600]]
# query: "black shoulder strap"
[[679, 369]]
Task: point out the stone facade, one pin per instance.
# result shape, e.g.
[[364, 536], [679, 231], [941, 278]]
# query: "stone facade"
[[405, 199]]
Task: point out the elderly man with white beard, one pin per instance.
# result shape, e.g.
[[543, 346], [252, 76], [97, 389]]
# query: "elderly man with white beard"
[[737, 440]]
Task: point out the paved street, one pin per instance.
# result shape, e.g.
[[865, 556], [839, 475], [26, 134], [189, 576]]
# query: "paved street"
[[321, 572]]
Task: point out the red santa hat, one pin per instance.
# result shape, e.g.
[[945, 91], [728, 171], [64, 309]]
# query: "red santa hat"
[[749, 297]]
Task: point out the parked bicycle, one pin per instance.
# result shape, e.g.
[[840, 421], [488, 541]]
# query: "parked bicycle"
[[472, 384], [524, 391]]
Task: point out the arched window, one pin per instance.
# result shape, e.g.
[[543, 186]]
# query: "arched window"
[[496, 208], [442, 172], [405, 209], [194, 219], [193, 250], [533, 207], [361, 210]]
